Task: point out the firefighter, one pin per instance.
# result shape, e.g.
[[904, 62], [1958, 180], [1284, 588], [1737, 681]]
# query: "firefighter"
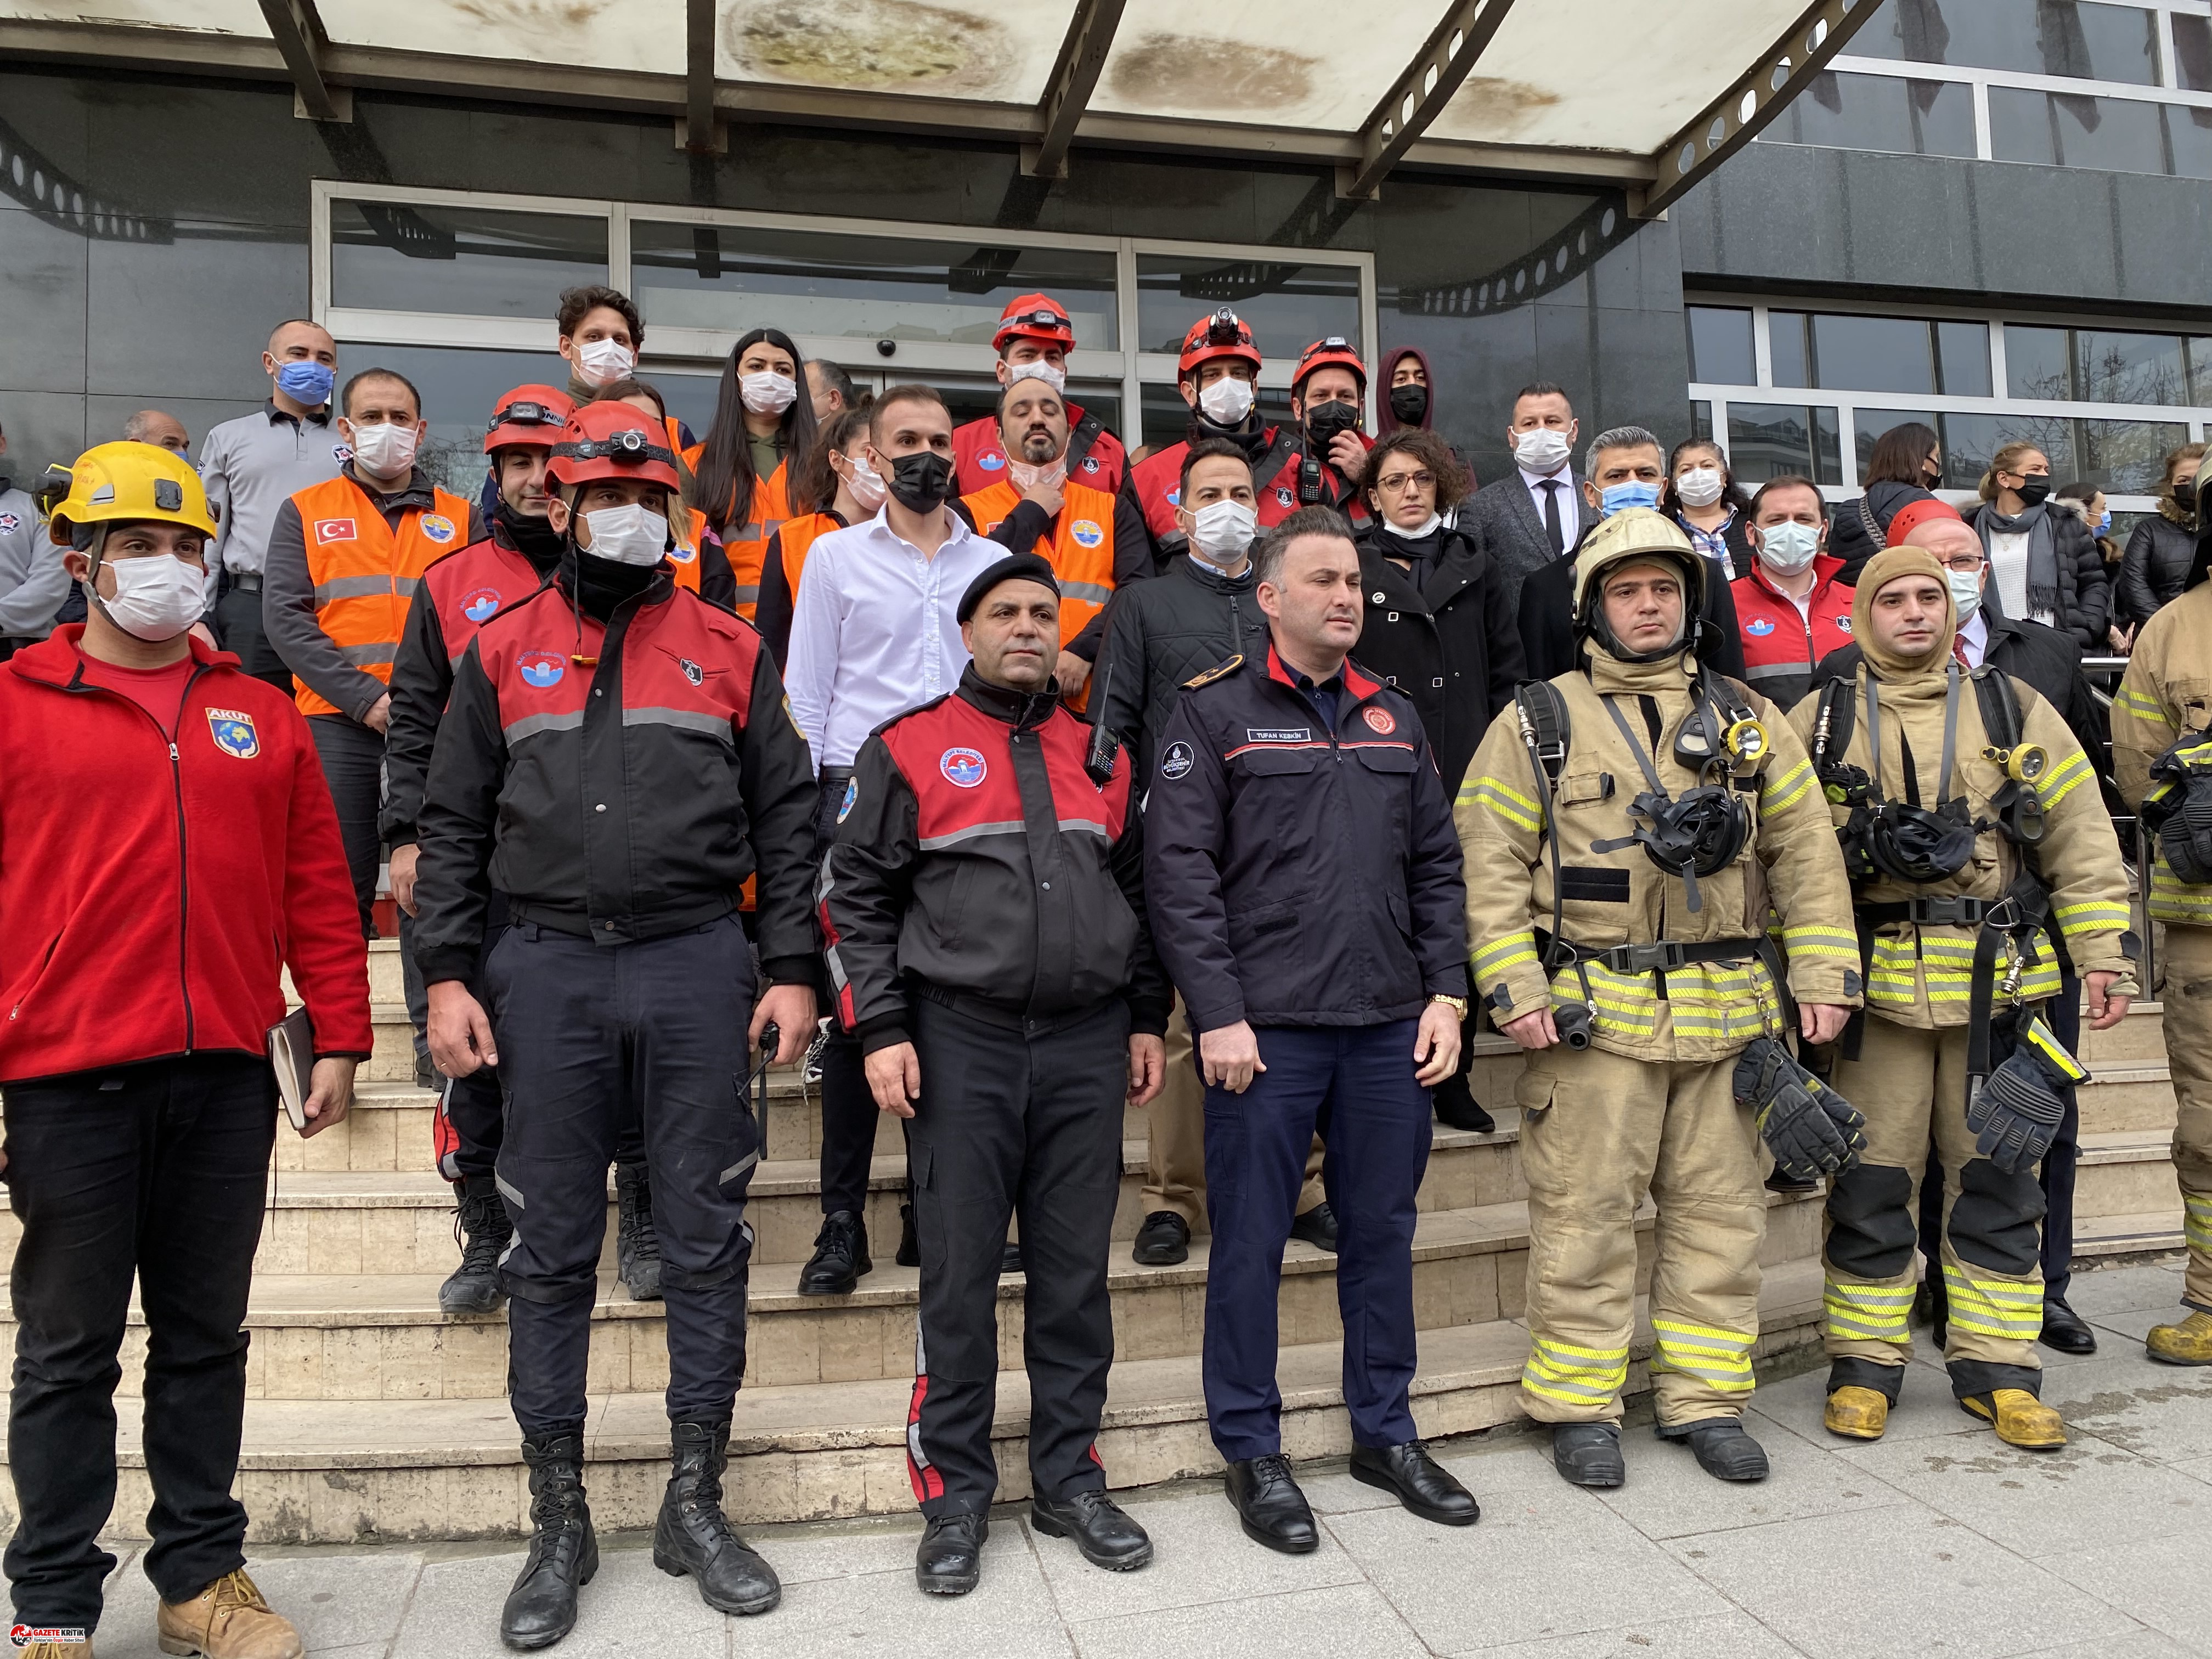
[[2159, 759], [1033, 340], [1094, 540], [1626, 826], [991, 816], [616, 759], [1977, 846]]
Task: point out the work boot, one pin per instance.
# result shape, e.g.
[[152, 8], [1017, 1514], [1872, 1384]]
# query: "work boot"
[[840, 1256], [909, 1249], [482, 1224], [1162, 1241], [1269, 1505], [226, 1620], [692, 1535], [1457, 1107], [1317, 1226], [564, 1553], [55, 1650], [1723, 1450], [1010, 1260], [949, 1560], [2064, 1330], [2189, 1343], [1102, 1529], [1589, 1453], [1857, 1413], [637, 1247], [2019, 1418]]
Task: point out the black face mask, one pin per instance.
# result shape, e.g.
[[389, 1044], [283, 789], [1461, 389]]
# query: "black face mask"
[[534, 538], [2034, 491], [1930, 477], [1325, 421], [922, 481], [1409, 404], [2184, 494], [600, 585]]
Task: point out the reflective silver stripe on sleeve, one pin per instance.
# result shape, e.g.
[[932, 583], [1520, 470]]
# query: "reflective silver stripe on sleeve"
[[738, 1168], [748, 596], [353, 588], [363, 656], [1011, 827], [1092, 592], [1091, 824], [692, 719], [530, 724]]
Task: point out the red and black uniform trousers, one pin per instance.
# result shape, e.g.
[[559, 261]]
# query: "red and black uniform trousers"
[[612, 779], [982, 900]]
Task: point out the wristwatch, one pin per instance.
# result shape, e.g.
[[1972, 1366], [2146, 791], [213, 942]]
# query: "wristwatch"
[[1457, 1005]]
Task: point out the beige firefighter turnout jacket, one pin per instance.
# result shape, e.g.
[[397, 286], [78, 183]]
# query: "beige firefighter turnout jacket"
[[2165, 693]]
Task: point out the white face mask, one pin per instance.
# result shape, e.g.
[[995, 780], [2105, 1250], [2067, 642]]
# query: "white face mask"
[[1026, 477], [866, 485], [767, 392], [157, 596], [1426, 528], [1221, 532], [1965, 592], [384, 452], [1037, 369], [1787, 548], [600, 362], [1540, 450], [1700, 486], [627, 535], [1227, 401]]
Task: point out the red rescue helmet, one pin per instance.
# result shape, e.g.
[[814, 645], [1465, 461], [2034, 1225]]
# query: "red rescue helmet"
[[530, 415], [1224, 334], [613, 441], [1033, 317], [1321, 352]]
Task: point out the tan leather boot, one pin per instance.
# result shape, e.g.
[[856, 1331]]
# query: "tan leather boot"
[[226, 1620], [55, 1650], [1857, 1413], [2019, 1418]]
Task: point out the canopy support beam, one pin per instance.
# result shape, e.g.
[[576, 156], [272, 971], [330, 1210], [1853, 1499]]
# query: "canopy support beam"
[[300, 38], [1421, 93], [701, 134], [1074, 78]]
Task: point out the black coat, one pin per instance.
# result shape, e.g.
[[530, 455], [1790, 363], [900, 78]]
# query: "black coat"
[[1161, 633], [1736, 534], [1858, 530], [2151, 571], [1547, 623], [1450, 644], [2085, 592]]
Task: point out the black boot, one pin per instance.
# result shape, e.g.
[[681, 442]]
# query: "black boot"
[[840, 1256], [693, 1536], [484, 1227], [541, 1608], [1457, 1107], [949, 1560], [1589, 1453], [637, 1247], [1723, 1450]]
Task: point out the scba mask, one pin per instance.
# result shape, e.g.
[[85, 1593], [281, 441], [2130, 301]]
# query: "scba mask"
[[1701, 831], [1903, 840]]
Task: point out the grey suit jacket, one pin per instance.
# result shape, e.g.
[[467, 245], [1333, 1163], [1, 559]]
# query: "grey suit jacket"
[[1502, 519]]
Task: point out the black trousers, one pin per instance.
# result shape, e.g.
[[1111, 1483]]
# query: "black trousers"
[[238, 629], [353, 765], [849, 1107], [157, 1172], [1012, 1123], [588, 1035]]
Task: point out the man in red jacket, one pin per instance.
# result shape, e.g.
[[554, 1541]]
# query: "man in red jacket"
[[1790, 609], [140, 948]]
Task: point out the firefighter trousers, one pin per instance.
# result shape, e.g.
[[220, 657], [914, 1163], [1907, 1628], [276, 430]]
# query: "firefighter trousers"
[[2188, 996], [1597, 1131], [589, 1035], [1912, 1084], [1012, 1122]]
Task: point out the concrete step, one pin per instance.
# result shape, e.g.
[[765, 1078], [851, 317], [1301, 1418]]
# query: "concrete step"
[[2140, 1036], [351, 1471], [2153, 1231], [2126, 1173], [388, 1128], [2133, 1095]]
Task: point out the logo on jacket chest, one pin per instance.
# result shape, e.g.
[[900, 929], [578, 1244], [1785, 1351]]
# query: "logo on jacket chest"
[[481, 605], [990, 460], [1843, 624], [692, 672], [1380, 721], [437, 526], [1282, 497], [335, 530], [8, 522], [963, 766], [1759, 630], [1089, 463], [234, 733], [1086, 533], [540, 668]]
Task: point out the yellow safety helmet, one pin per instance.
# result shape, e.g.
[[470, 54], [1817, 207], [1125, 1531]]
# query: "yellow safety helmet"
[[116, 483]]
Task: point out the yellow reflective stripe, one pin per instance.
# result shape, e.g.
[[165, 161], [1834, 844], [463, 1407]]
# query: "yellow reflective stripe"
[[2064, 779], [1508, 804], [1814, 940], [1579, 1376], [2172, 899], [2090, 911], [2142, 707], [1868, 1313], [1779, 795], [1507, 952], [1722, 1358], [2008, 1308], [2196, 1222]]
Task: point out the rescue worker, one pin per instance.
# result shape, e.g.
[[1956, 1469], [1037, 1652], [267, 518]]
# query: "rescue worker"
[[1626, 827], [170, 851], [616, 759], [702, 565], [1789, 605], [1033, 340], [763, 428], [1218, 374], [993, 818], [1977, 826], [343, 559], [1306, 898], [837, 474], [2159, 719], [1093, 540]]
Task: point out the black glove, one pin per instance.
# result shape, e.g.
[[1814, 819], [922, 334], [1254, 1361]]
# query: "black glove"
[[1811, 1129], [2016, 1115]]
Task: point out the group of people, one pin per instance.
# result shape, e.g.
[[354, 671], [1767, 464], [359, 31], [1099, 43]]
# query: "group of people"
[[1012, 779]]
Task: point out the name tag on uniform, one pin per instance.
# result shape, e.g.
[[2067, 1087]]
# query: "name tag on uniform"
[[1279, 734]]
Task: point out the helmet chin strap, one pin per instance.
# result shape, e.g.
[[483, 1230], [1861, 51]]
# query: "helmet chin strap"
[[97, 547]]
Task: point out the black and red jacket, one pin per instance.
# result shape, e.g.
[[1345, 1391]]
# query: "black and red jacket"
[[977, 862], [151, 891], [1299, 875], [616, 782], [458, 595]]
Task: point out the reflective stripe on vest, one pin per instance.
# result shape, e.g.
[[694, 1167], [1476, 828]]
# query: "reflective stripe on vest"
[[365, 572], [1080, 551]]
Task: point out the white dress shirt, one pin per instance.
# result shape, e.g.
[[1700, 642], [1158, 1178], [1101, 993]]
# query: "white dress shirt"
[[1570, 508], [1974, 639], [873, 631]]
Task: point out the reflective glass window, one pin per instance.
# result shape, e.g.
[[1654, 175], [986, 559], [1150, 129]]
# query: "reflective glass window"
[[1769, 440], [734, 278], [2125, 458], [2038, 363], [465, 261], [2192, 51], [1286, 306], [1881, 112], [1869, 424], [2053, 434], [1701, 419], [2189, 137], [1872, 354], [2060, 129], [2080, 38], [1787, 353], [1962, 359], [2110, 368], [1827, 446], [1720, 345], [2200, 368]]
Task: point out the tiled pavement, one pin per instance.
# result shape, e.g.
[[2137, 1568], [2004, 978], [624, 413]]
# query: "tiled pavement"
[[1936, 1540]]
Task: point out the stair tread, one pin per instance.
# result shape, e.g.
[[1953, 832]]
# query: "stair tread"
[[2156, 1229], [2127, 1146], [841, 1416]]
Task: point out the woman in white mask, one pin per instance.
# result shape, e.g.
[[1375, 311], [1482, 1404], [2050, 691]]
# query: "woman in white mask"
[[1701, 497], [763, 431]]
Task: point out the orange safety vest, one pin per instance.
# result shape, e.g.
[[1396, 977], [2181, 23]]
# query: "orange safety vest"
[[365, 572], [691, 528], [800, 535], [1080, 551], [746, 545]]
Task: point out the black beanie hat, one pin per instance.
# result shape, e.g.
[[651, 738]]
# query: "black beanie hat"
[[1015, 566]]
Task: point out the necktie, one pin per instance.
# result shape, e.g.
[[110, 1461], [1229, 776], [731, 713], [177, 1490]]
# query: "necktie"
[[1552, 527], [1958, 650]]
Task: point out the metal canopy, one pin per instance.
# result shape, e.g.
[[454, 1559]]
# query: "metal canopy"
[[1605, 92]]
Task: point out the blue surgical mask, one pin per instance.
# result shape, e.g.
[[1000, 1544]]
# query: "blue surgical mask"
[[307, 382], [2105, 523], [1634, 492]]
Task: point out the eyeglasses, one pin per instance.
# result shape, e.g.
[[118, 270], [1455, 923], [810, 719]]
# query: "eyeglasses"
[[1964, 565], [1396, 481]]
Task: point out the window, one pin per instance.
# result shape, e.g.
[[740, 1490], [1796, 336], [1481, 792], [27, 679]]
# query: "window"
[[1850, 352], [2192, 52], [1771, 440], [1880, 111], [2065, 129], [2106, 365], [387, 256], [1720, 345], [1287, 306], [2084, 40]]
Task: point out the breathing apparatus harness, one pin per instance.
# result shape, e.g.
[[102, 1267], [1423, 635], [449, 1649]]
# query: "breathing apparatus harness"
[[2181, 816]]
